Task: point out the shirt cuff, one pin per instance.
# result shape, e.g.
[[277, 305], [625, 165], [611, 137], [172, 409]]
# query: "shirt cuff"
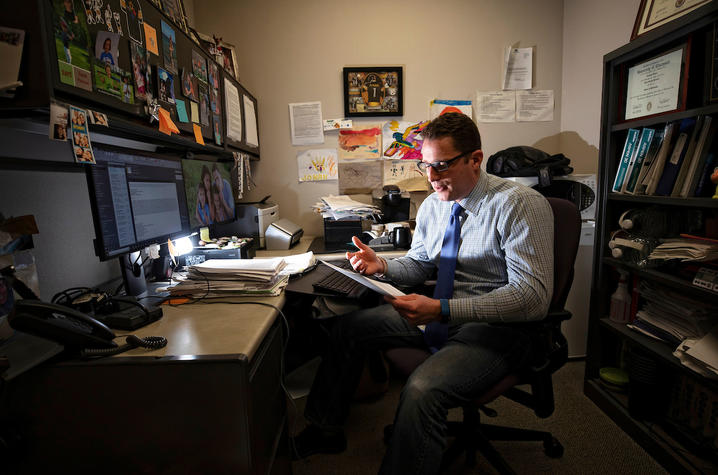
[[445, 310]]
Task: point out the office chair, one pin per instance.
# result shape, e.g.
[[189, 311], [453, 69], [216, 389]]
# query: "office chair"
[[549, 353]]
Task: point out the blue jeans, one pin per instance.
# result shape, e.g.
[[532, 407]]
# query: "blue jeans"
[[475, 357]]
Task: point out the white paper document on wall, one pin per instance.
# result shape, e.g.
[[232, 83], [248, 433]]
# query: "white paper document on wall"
[[496, 106], [250, 122], [518, 68], [305, 121], [534, 106], [234, 111]]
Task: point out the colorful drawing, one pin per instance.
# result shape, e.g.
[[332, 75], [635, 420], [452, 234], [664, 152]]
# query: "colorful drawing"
[[317, 165], [403, 139], [442, 106], [405, 174], [361, 142]]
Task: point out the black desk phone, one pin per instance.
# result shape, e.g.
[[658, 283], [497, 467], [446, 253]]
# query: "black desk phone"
[[61, 324]]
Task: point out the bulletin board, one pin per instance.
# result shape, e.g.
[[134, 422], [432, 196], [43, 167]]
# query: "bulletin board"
[[89, 62]]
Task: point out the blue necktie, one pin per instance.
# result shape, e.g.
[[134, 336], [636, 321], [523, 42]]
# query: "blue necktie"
[[436, 333]]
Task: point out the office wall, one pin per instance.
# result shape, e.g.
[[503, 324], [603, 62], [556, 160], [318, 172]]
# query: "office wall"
[[291, 51], [590, 30]]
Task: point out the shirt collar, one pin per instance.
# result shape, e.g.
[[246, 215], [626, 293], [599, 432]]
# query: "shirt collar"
[[472, 202]]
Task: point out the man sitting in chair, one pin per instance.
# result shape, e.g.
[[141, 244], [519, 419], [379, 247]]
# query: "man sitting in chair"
[[491, 241]]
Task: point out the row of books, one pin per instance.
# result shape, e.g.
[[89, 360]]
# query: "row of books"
[[675, 161]]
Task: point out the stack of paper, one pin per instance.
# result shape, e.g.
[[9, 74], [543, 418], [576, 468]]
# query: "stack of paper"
[[232, 277], [686, 250], [701, 355], [670, 316], [343, 207]]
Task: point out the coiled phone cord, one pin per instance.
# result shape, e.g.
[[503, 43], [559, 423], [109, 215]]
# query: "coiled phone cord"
[[132, 341]]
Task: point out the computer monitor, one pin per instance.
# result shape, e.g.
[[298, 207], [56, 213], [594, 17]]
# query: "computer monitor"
[[209, 192], [137, 199]]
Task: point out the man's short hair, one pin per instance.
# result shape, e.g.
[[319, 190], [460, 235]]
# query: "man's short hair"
[[459, 127]]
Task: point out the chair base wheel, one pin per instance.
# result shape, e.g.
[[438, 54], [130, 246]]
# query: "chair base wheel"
[[553, 448]]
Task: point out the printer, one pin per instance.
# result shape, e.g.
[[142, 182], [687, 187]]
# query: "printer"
[[252, 220]]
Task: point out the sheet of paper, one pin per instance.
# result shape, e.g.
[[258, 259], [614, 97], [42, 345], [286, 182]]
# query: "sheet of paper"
[[534, 106], [194, 111], [441, 106], [151, 39], [496, 106], [403, 139], [380, 287], [181, 110], [360, 142], [198, 134], [518, 68], [359, 177], [317, 165], [405, 174], [234, 111], [336, 124], [11, 41], [305, 122], [250, 123]]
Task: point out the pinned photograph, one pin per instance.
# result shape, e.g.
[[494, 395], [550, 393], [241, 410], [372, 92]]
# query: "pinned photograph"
[[217, 127], [214, 100], [213, 75], [133, 18], [141, 70], [169, 48], [72, 44], [189, 85], [97, 118], [199, 66], [203, 105], [165, 86], [81, 145], [106, 48], [58, 122]]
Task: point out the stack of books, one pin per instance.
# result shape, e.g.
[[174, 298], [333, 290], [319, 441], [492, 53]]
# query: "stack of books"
[[676, 161], [232, 278]]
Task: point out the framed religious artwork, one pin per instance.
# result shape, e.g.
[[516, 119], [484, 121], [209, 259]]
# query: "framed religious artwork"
[[655, 13], [373, 91]]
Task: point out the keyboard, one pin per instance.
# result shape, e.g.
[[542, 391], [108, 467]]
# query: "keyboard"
[[340, 284]]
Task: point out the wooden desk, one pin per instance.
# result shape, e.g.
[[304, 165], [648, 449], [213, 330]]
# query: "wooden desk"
[[210, 402]]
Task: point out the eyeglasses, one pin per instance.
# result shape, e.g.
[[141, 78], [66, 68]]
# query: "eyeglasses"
[[440, 166]]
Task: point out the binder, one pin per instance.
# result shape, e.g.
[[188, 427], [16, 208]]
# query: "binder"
[[699, 158], [689, 156], [628, 147], [649, 161], [634, 167], [673, 165], [651, 180]]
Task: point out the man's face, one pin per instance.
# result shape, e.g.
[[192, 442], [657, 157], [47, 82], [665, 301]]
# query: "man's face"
[[458, 181]]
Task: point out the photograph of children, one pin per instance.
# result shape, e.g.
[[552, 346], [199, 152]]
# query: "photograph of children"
[[217, 126], [97, 118], [128, 91], [189, 85], [106, 48], [209, 192], [108, 79], [133, 17], [72, 44], [214, 100], [81, 146], [58, 122], [165, 86], [213, 74], [140, 70], [203, 105], [173, 10], [169, 48], [199, 66]]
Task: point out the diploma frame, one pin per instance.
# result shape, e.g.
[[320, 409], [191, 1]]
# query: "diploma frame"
[[664, 11], [373, 91], [682, 90]]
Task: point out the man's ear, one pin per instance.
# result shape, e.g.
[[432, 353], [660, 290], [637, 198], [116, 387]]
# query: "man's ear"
[[477, 156]]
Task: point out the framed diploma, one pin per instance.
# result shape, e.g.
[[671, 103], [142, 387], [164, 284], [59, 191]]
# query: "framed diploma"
[[373, 91], [655, 13], [657, 85]]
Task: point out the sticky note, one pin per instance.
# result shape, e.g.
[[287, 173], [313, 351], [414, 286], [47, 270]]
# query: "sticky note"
[[195, 111], [198, 134], [167, 126], [151, 37], [181, 110], [204, 234]]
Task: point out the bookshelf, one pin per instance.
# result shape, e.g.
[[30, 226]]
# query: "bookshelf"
[[679, 446]]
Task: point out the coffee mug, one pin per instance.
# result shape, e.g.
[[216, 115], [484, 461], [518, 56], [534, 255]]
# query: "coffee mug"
[[401, 238]]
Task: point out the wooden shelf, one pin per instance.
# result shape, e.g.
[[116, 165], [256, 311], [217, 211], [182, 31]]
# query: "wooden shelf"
[[662, 119], [665, 200], [676, 283]]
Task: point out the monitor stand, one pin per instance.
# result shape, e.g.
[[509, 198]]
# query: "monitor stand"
[[133, 274]]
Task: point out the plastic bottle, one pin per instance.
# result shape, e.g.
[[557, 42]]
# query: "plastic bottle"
[[620, 311]]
